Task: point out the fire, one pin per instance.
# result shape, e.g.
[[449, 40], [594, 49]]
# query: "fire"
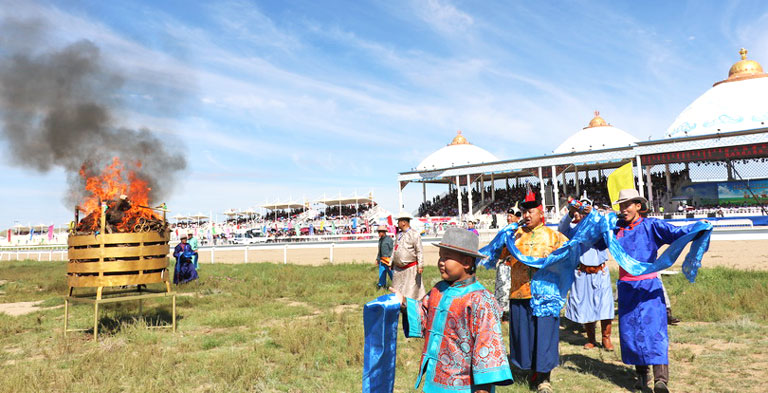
[[123, 191]]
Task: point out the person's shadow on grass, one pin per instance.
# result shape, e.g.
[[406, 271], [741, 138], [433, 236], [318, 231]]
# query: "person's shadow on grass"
[[621, 376], [572, 333]]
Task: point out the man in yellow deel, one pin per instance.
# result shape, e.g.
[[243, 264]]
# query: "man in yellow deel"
[[533, 340]]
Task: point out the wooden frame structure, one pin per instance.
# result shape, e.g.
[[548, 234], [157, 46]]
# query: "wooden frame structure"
[[106, 260]]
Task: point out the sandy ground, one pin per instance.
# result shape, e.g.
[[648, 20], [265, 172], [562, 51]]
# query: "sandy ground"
[[20, 308], [739, 254]]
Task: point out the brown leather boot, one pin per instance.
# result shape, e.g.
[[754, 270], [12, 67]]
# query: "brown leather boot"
[[590, 328], [605, 326]]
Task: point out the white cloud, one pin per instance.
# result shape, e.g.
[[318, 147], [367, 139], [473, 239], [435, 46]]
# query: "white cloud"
[[443, 16]]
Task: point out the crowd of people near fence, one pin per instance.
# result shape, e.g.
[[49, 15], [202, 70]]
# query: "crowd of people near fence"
[[302, 226]]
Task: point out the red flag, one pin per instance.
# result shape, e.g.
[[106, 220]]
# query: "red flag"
[[9, 236], [389, 221]]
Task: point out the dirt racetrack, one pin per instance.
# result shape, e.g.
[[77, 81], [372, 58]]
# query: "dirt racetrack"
[[739, 254]]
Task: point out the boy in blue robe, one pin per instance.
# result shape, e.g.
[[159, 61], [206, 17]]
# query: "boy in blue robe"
[[642, 309], [460, 321]]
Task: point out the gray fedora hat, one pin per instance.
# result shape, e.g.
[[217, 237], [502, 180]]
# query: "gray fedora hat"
[[461, 241], [630, 194]]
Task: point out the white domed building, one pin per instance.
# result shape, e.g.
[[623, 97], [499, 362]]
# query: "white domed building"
[[458, 152], [737, 103], [598, 135]]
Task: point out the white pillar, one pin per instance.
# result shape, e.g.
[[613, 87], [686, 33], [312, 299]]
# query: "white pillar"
[[482, 188], [469, 196], [556, 190], [493, 188], [424, 192], [578, 189], [541, 188], [458, 196], [399, 197], [650, 184], [669, 180], [640, 182]]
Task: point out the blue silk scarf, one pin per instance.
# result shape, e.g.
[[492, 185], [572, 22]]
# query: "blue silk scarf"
[[380, 323], [550, 284]]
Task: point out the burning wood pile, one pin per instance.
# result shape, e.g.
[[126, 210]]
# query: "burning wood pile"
[[121, 201]]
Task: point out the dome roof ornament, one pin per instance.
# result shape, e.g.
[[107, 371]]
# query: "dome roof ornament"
[[597, 121], [458, 152], [744, 69], [598, 135], [459, 139]]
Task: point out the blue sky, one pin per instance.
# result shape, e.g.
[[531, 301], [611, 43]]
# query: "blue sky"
[[281, 99]]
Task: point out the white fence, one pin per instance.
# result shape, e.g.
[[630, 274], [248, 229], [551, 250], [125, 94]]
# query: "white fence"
[[59, 252]]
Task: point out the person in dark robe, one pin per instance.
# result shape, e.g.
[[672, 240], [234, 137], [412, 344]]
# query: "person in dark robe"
[[185, 269]]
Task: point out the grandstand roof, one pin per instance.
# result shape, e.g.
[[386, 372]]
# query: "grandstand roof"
[[458, 152], [596, 136], [734, 104], [594, 159]]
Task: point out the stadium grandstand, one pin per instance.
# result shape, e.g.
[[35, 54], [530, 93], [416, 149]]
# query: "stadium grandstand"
[[711, 162]]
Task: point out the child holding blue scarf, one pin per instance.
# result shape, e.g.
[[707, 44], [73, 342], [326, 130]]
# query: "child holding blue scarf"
[[460, 321]]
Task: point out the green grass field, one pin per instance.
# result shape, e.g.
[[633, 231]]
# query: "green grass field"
[[286, 328]]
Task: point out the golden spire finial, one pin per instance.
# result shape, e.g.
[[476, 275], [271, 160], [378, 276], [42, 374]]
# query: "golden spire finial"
[[597, 121], [459, 139], [744, 69]]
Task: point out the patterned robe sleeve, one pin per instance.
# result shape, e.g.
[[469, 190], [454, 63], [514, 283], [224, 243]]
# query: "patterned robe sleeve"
[[415, 317], [489, 357]]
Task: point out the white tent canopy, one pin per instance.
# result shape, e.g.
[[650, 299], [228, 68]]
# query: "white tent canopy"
[[282, 205], [344, 201]]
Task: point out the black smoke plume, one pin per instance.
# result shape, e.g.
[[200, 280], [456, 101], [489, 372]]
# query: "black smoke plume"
[[57, 107]]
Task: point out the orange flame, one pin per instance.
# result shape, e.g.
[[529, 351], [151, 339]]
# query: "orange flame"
[[109, 186]]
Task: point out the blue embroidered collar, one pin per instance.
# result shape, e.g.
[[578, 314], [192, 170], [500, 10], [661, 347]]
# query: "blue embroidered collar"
[[464, 283]]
